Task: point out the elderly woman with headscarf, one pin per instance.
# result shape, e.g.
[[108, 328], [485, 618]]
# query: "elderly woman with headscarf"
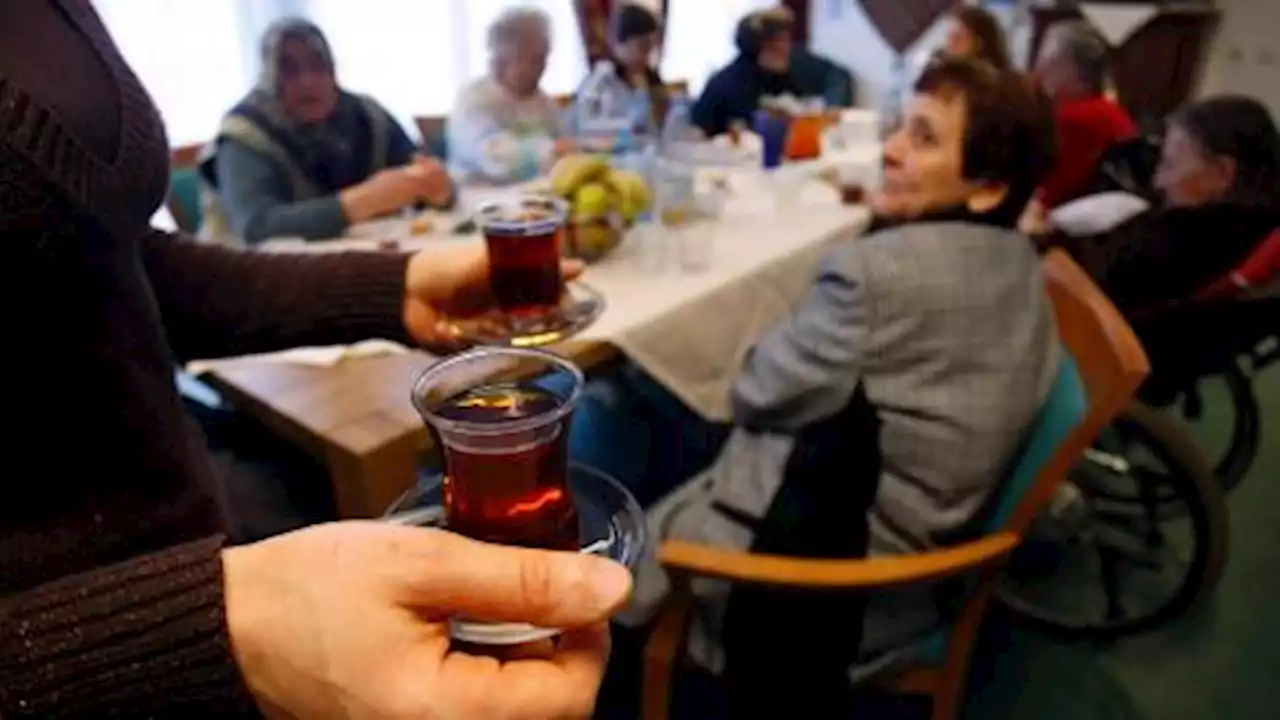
[[504, 128], [300, 156]]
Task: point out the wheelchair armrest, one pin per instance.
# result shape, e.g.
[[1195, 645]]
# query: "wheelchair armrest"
[[1267, 352]]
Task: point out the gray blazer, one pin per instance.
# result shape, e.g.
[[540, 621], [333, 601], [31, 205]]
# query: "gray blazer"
[[949, 330]]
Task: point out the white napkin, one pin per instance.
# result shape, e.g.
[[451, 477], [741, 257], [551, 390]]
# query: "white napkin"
[[1118, 21], [309, 356], [1095, 214]]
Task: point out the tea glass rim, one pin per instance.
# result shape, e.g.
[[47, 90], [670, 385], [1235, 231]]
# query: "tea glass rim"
[[485, 220], [495, 429]]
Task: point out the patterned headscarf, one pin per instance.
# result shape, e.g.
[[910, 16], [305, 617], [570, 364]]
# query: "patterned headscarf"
[[323, 149]]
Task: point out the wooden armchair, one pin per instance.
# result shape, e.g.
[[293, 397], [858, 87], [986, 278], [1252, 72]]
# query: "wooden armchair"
[[1105, 366]]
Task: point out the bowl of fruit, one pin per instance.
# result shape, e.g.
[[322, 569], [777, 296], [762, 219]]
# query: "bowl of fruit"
[[604, 202]]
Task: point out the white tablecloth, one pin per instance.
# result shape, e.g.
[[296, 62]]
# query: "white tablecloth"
[[690, 330]]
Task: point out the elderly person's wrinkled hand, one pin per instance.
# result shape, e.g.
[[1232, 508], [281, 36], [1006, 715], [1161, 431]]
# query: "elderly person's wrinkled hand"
[[350, 620]]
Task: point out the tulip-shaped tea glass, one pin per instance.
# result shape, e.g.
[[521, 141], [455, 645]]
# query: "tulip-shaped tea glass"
[[523, 233], [501, 418]]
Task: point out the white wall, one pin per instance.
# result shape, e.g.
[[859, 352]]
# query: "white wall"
[[1245, 56]]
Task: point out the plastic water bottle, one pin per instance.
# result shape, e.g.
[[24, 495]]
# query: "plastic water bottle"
[[674, 171], [602, 111]]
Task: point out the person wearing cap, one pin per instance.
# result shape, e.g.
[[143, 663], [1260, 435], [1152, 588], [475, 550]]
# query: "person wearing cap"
[[300, 156], [634, 37], [762, 68]]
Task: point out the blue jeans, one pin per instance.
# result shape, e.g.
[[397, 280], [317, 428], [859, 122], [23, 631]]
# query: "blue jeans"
[[629, 426]]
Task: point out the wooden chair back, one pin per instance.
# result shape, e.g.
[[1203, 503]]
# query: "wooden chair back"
[[1110, 360], [1107, 363]]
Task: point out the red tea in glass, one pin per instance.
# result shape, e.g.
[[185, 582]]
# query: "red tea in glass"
[[523, 235], [501, 416], [515, 495]]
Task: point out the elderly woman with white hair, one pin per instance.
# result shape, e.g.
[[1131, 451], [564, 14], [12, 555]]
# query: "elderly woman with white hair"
[[505, 129]]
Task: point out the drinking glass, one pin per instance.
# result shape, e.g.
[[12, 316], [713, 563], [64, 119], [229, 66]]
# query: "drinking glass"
[[501, 418], [523, 234], [772, 128]]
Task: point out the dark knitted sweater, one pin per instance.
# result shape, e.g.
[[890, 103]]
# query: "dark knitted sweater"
[[110, 571]]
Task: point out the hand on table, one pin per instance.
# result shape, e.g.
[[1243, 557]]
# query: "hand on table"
[[393, 189], [434, 184], [349, 620], [452, 282]]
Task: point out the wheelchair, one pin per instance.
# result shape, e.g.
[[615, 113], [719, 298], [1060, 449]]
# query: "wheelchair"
[[1139, 534], [1144, 509]]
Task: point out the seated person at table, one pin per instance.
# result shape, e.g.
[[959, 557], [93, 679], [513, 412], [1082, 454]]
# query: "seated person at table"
[[881, 418], [1216, 238], [974, 32], [301, 157], [634, 35], [1073, 68], [505, 129], [1219, 174], [762, 68]]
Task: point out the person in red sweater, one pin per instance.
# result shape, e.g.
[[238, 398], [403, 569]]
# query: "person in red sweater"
[[1072, 68]]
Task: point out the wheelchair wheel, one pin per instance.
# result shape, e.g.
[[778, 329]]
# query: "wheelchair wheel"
[[1234, 462], [1100, 570], [1242, 448]]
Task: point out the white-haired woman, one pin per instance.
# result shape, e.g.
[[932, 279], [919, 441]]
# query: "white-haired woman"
[[504, 128]]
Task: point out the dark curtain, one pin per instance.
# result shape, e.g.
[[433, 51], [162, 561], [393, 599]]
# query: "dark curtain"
[[902, 22], [593, 18], [800, 10]]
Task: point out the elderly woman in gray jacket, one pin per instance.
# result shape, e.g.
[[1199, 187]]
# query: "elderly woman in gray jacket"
[[881, 417]]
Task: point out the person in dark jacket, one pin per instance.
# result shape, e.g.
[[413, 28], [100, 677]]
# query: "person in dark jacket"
[[1219, 174], [762, 68], [300, 156]]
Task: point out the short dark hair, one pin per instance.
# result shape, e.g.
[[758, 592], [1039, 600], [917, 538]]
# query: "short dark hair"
[[993, 46], [757, 28], [1009, 135], [632, 21], [1240, 128]]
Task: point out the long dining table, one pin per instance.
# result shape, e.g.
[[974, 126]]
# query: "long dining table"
[[688, 330]]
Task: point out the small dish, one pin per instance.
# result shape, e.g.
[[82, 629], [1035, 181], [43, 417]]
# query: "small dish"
[[579, 307], [611, 524]]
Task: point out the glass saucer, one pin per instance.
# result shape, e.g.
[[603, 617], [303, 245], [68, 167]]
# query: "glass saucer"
[[610, 524], [579, 307]]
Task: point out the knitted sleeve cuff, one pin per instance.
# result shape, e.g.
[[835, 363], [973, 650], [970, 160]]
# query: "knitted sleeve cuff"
[[142, 638]]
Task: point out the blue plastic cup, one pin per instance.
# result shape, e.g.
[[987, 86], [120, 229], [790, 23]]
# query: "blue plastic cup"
[[772, 129]]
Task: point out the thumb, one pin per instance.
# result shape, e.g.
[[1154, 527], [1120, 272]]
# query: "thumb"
[[446, 574]]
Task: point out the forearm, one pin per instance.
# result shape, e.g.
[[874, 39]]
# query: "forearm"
[[317, 219], [146, 637], [808, 367], [217, 301]]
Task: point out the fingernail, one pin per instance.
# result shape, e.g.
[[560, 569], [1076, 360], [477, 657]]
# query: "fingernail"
[[611, 581]]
